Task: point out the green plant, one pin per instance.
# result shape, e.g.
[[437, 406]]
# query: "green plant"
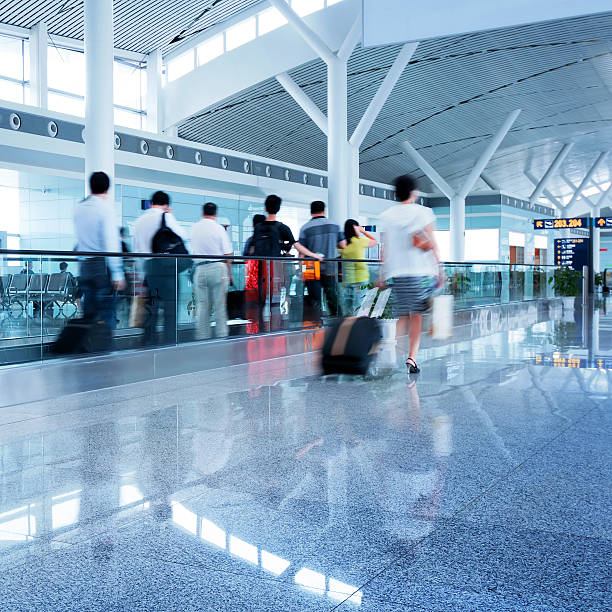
[[565, 281], [458, 283], [387, 312]]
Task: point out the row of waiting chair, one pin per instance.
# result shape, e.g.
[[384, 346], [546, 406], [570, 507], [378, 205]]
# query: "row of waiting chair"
[[21, 289]]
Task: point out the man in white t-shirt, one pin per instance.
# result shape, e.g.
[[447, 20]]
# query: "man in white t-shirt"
[[212, 277], [411, 260]]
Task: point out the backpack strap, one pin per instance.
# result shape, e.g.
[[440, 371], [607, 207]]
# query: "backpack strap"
[[163, 223]]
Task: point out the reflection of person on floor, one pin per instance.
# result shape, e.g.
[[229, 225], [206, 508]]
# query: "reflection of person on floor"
[[160, 273], [212, 276]]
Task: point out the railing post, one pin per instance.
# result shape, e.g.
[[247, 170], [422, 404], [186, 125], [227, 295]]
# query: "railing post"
[[585, 286]]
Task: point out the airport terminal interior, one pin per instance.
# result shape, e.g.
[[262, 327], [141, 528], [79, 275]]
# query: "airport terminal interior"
[[203, 409]]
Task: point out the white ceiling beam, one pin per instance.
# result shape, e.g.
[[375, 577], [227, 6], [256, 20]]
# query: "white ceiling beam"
[[546, 193], [383, 93], [304, 101], [317, 44], [352, 38], [589, 175], [39, 90], [554, 166], [574, 187], [489, 182], [429, 170], [487, 154]]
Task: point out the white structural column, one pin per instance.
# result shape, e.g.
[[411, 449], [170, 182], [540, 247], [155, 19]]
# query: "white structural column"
[[99, 124], [337, 149], [352, 158], [155, 92], [556, 164], [306, 104], [38, 65], [587, 179], [457, 198], [490, 182]]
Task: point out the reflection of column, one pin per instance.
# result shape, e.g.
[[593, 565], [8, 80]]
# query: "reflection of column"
[[99, 124], [457, 229]]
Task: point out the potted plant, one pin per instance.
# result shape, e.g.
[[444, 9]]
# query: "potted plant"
[[459, 284], [388, 324], [565, 284], [598, 281]]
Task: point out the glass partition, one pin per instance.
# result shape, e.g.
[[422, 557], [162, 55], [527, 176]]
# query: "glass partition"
[[168, 301]]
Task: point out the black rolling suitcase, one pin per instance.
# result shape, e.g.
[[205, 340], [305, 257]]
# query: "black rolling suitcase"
[[83, 336], [350, 345], [235, 304]]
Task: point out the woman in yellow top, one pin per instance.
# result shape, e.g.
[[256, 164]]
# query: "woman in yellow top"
[[355, 273]]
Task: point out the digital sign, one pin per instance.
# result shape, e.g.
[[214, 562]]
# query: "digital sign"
[[561, 223], [572, 252], [603, 222], [556, 360]]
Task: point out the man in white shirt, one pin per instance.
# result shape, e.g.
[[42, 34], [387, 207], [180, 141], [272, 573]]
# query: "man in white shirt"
[[212, 278], [160, 273], [97, 231], [410, 259]]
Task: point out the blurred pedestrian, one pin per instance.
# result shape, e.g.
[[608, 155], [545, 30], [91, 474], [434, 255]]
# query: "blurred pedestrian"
[[355, 274], [212, 276], [160, 273], [323, 237], [410, 261], [96, 230]]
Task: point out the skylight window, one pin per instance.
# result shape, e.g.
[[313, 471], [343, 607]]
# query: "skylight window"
[[306, 7], [209, 49], [241, 33], [269, 20]]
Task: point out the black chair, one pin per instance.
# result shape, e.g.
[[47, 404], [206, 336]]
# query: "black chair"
[[60, 290], [18, 290], [5, 281]]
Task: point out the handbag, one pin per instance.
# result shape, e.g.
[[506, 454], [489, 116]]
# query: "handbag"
[[138, 309]]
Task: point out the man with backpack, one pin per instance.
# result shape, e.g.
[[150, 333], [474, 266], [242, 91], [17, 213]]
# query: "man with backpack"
[[271, 238], [157, 231]]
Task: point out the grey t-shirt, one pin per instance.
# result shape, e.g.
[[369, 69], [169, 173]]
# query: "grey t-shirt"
[[320, 235]]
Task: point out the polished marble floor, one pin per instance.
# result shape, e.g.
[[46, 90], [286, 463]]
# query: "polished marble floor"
[[484, 483]]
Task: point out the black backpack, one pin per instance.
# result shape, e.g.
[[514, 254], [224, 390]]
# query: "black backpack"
[[267, 239], [167, 241]]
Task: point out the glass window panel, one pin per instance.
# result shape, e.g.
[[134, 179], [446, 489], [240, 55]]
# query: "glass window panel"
[[305, 7], [210, 49], [330, 2], [269, 20], [66, 70], [127, 118], [180, 66], [69, 105], [482, 245], [11, 60], [11, 91], [26, 60], [126, 84], [240, 34]]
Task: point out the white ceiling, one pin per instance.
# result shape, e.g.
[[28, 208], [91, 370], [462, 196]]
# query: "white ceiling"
[[452, 97]]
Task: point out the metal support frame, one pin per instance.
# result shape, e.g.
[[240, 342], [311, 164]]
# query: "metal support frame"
[[155, 106], [587, 179], [489, 182], [99, 120], [554, 166], [596, 212], [306, 104], [342, 154], [457, 198], [574, 188], [39, 91]]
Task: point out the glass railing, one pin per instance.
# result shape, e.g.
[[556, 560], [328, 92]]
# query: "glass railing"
[[171, 301]]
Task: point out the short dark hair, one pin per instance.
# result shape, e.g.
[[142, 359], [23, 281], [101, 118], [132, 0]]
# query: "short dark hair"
[[122, 231], [404, 186], [160, 198], [209, 209], [317, 207], [273, 204], [257, 219], [99, 183], [63, 266]]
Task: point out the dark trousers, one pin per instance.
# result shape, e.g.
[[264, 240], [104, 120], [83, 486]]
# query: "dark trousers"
[[329, 284], [98, 298], [161, 280]]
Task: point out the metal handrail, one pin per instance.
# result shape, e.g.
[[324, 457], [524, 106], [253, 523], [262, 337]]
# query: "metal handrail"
[[75, 254]]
